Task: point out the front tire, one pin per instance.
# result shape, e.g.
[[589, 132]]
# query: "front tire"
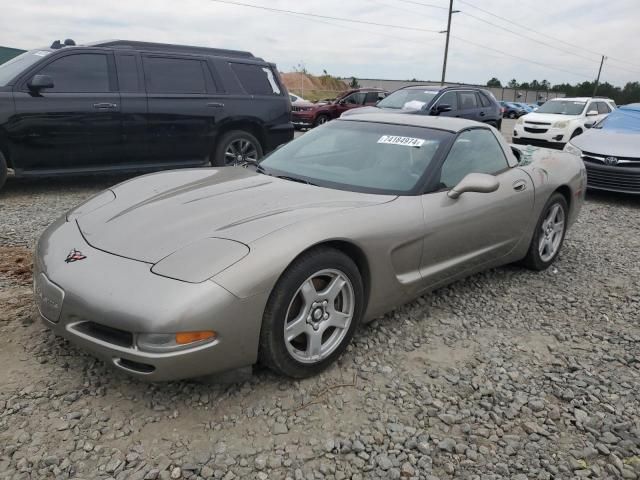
[[311, 314], [236, 147], [321, 120], [512, 115], [3, 170], [549, 234]]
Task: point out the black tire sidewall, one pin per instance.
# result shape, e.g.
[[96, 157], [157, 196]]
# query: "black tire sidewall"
[[226, 139], [273, 351], [533, 260], [317, 122], [512, 115]]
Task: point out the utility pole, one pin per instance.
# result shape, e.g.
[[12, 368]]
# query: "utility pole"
[[595, 88], [446, 45]]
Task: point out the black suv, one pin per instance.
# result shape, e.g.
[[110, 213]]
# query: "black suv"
[[465, 102], [124, 105]]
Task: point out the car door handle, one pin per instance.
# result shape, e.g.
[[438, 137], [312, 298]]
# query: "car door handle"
[[105, 106], [482, 114], [215, 105], [519, 185]]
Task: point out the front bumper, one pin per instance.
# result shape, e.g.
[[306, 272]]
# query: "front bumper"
[[302, 119], [613, 178], [540, 135], [102, 302]]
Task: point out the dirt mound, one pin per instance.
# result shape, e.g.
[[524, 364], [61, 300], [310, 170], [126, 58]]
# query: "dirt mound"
[[313, 87], [16, 264]]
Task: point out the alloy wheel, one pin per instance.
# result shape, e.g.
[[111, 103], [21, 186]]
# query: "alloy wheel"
[[240, 151], [319, 316], [552, 230]]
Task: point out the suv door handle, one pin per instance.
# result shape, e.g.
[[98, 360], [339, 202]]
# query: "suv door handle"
[[519, 185], [105, 106], [215, 105], [482, 114]]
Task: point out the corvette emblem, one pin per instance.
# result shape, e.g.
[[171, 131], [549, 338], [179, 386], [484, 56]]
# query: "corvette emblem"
[[611, 160], [74, 256]]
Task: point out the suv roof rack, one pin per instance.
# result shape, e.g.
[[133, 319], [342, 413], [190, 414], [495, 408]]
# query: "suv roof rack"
[[67, 43], [167, 47]]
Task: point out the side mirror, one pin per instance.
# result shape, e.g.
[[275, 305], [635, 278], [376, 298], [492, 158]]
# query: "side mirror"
[[592, 113], [342, 102], [38, 82], [475, 182], [443, 107]]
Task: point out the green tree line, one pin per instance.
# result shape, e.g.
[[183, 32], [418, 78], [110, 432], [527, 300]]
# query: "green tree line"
[[630, 93]]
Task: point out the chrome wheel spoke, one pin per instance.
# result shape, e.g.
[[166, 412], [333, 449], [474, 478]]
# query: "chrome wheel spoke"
[[296, 327], [338, 320], [333, 289], [551, 232], [314, 344], [309, 293]]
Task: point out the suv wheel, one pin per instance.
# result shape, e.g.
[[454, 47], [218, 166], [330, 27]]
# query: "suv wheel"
[[3, 170], [321, 120], [512, 115], [236, 146]]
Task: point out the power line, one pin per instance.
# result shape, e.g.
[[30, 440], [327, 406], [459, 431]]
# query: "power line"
[[327, 17], [430, 5]]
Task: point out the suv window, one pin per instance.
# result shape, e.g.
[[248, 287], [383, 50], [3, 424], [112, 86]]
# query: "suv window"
[[373, 97], [79, 73], [256, 79], [592, 106], [449, 98], [127, 73], [467, 100], [173, 75], [474, 151], [484, 100], [603, 108], [356, 98]]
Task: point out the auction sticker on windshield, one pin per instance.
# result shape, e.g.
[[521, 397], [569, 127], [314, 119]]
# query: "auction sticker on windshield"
[[406, 141]]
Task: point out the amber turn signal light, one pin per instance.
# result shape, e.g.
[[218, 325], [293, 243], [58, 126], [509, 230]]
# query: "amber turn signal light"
[[183, 338]]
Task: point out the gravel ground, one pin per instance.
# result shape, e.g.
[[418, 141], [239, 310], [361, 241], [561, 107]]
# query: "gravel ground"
[[509, 374]]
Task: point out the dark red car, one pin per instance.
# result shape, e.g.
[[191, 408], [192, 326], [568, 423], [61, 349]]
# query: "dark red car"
[[308, 116]]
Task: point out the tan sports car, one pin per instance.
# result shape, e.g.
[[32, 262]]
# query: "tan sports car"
[[191, 272]]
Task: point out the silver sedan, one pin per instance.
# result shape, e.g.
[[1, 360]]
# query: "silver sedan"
[[191, 272]]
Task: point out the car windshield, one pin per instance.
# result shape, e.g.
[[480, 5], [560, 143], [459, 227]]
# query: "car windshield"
[[621, 119], [358, 156], [9, 70], [563, 107], [407, 99]]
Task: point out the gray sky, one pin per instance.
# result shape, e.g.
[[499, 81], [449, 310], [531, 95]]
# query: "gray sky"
[[609, 27]]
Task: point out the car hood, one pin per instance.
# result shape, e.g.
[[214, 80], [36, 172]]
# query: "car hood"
[[549, 117], [609, 143], [155, 215], [359, 110]]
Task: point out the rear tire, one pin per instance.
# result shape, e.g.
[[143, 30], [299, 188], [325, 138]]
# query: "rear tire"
[[3, 170], [307, 324], [233, 144], [549, 234]]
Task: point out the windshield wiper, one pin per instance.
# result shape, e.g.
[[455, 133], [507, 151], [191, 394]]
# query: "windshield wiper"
[[295, 179]]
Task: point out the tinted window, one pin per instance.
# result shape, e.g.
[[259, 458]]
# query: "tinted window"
[[603, 108], [358, 156], [449, 98], [621, 119], [408, 98], [563, 107], [373, 97], [474, 151], [127, 73], [255, 79], [173, 75], [355, 98], [468, 100], [484, 100], [80, 73]]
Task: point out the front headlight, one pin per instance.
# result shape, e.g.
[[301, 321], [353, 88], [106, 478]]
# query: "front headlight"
[[569, 148], [520, 121], [562, 124]]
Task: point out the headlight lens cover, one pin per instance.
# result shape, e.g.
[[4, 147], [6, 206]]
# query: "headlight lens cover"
[[169, 342], [561, 124], [201, 260], [570, 148]]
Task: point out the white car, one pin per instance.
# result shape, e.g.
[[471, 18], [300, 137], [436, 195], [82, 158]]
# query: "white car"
[[560, 119], [297, 101]]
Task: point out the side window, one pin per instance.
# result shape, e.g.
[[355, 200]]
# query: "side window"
[[381, 95], [355, 98], [256, 79], [449, 98], [592, 106], [468, 100], [79, 73], [372, 97], [127, 73], [474, 151], [173, 75], [603, 108], [484, 101]]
